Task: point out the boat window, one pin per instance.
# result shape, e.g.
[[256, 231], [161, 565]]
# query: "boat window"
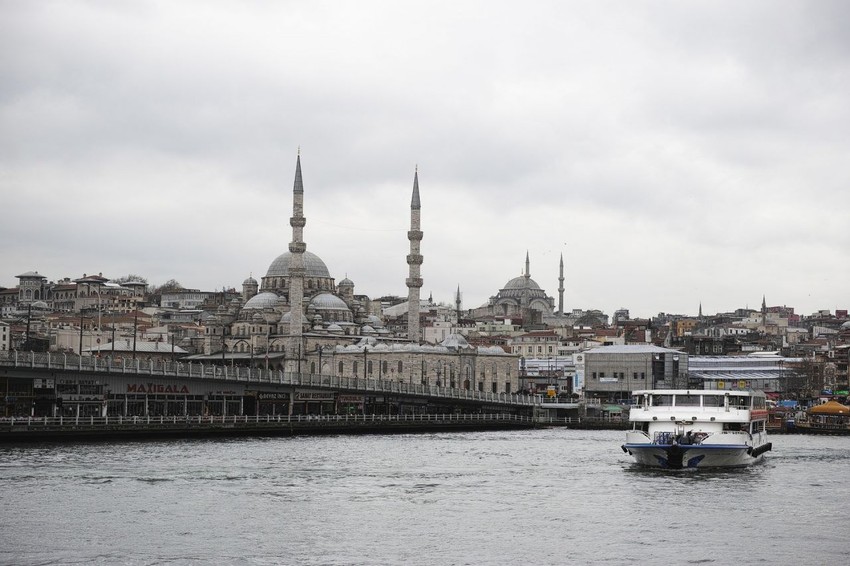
[[712, 401], [637, 400], [687, 400], [758, 402], [739, 402], [662, 400]]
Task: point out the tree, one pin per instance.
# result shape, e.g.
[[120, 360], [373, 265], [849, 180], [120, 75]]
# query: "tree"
[[130, 277], [167, 287]]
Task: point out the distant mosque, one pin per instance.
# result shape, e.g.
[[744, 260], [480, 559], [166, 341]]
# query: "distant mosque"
[[334, 334]]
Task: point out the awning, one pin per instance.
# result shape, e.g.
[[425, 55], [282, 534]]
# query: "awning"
[[612, 408]]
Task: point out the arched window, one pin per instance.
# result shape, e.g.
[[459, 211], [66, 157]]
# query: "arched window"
[[353, 368], [400, 366], [384, 367], [369, 367], [312, 367], [340, 368]]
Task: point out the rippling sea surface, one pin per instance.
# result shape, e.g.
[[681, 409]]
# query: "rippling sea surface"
[[551, 496]]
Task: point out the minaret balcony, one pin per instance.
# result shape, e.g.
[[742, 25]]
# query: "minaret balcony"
[[297, 221], [414, 259], [297, 247], [414, 282], [414, 235]]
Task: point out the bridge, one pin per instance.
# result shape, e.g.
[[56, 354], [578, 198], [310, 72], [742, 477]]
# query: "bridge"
[[47, 384]]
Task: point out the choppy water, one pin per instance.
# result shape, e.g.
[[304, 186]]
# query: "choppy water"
[[533, 497]]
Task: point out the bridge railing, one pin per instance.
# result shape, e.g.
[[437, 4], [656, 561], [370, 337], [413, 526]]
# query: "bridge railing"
[[176, 369], [9, 423]]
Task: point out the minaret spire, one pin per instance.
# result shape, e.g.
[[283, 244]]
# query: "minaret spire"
[[297, 247], [414, 262], [561, 287], [527, 266]]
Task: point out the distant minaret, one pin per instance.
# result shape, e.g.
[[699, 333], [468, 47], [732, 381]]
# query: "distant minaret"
[[763, 311], [297, 247], [414, 261], [561, 288], [457, 304], [527, 266], [700, 311]]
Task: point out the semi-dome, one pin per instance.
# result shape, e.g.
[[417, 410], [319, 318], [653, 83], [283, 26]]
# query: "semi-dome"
[[313, 266], [264, 300], [324, 301]]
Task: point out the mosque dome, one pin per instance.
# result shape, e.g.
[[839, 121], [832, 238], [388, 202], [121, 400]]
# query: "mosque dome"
[[313, 266], [250, 281], [346, 282], [265, 300], [521, 282]]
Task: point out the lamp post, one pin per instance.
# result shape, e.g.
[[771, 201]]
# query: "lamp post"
[[135, 329], [81, 335]]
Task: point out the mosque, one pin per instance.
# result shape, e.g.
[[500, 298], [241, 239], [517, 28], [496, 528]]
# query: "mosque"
[[333, 333]]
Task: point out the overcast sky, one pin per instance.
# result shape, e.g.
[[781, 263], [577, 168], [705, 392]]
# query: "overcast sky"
[[675, 153]]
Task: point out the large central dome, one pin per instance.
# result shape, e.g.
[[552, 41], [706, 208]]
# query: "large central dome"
[[313, 265], [521, 282]]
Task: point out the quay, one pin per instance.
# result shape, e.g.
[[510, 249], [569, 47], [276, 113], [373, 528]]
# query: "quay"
[[34, 429]]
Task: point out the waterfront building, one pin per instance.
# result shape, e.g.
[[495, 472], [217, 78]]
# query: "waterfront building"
[[611, 373]]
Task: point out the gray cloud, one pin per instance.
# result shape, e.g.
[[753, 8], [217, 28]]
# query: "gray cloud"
[[674, 153]]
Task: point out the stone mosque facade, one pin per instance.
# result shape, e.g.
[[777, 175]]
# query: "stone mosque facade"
[[334, 334]]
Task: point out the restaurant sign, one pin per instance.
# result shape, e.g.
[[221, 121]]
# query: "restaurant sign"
[[274, 396], [314, 395], [156, 388]]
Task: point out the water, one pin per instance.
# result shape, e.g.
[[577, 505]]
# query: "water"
[[532, 497]]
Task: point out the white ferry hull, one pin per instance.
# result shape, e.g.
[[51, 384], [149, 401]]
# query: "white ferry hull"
[[679, 457]]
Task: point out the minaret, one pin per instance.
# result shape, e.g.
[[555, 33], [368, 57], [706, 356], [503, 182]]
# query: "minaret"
[[527, 266], [457, 305], [297, 247], [414, 261], [561, 288]]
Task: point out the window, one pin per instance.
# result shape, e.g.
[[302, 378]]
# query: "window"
[[634, 375], [340, 368], [400, 366], [662, 400], [594, 375], [369, 367], [687, 400]]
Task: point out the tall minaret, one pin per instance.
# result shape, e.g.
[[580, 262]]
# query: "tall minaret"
[[561, 288], [414, 261], [457, 304], [297, 247], [763, 312], [527, 266]]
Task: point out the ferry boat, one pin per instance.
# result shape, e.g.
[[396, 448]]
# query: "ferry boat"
[[678, 428]]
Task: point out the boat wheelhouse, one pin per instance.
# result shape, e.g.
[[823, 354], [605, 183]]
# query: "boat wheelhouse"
[[678, 428]]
